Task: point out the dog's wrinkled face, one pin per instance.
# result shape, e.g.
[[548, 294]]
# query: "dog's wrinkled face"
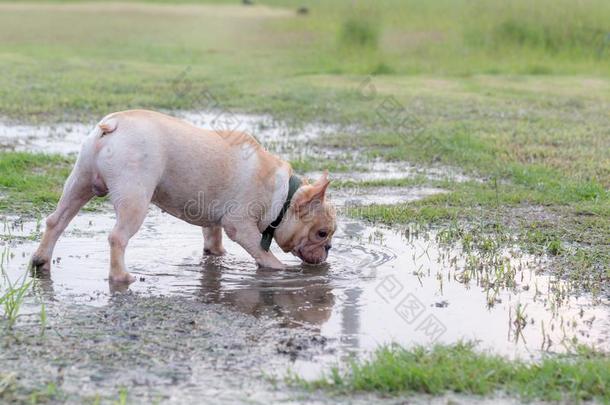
[[310, 223]]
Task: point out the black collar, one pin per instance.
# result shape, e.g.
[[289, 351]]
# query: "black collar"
[[293, 185]]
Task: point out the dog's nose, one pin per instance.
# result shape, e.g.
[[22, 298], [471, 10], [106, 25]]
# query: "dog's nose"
[[327, 247]]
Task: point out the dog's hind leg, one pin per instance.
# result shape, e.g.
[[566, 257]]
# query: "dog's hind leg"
[[212, 241], [77, 192], [131, 205]]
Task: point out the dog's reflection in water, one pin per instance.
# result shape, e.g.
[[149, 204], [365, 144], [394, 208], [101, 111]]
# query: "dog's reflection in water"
[[294, 298]]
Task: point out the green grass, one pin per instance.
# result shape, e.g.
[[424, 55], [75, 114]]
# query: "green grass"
[[419, 180], [393, 370], [31, 184], [12, 295], [304, 165], [276, 61], [13, 391]]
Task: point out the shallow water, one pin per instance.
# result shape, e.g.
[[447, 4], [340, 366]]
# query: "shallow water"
[[379, 286], [362, 197], [65, 138], [277, 136]]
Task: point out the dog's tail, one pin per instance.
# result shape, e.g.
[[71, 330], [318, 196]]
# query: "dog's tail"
[[107, 125], [93, 142]]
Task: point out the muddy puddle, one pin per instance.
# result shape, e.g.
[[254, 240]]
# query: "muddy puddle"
[[379, 286]]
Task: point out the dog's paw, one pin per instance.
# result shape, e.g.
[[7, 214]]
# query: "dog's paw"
[[122, 278], [214, 251], [40, 263], [273, 265]]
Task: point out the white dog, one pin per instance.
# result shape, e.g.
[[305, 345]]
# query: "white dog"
[[213, 179]]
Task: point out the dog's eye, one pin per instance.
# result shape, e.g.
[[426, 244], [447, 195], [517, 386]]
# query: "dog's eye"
[[322, 234]]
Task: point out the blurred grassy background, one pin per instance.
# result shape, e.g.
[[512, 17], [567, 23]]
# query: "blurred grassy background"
[[59, 59], [407, 36]]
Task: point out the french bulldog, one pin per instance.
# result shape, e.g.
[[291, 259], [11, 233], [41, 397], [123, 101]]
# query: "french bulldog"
[[213, 179]]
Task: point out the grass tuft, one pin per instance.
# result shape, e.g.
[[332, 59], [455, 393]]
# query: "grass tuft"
[[551, 27], [359, 31], [459, 368]]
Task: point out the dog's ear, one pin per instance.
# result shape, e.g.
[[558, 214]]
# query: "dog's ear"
[[313, 194], [320, 186]]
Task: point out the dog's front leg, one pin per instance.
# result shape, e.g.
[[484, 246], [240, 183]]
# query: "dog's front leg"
[[247, 235], [212, 241]]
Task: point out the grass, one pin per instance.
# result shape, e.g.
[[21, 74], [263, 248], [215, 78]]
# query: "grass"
[[304, 165], [360, 32], [11, 391], [14, 292], [31, 184], [459, 368], [276, 61], [419, 180], [12, 295]]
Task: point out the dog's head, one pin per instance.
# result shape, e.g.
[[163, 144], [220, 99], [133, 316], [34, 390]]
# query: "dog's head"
[[309, 224]]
